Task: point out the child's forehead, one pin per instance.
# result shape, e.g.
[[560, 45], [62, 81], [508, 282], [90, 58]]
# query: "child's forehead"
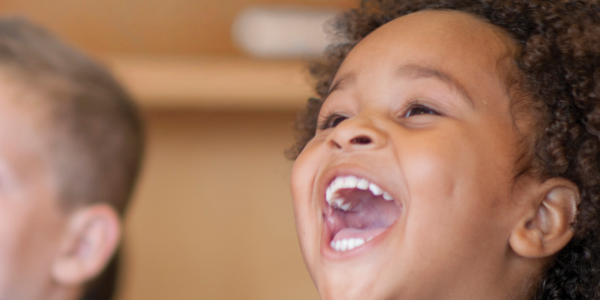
[[453, 41]]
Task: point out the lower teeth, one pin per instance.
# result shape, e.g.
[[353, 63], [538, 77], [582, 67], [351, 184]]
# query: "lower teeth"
[[347, 244]]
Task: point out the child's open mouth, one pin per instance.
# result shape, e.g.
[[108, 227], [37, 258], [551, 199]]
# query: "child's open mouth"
[[358, 211]]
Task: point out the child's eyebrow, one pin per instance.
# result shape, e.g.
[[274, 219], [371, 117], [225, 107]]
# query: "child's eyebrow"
[[412, 71], [347, 78]]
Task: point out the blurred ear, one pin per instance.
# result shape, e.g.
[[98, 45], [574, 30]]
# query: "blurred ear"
[[545, 227], [90, 240]]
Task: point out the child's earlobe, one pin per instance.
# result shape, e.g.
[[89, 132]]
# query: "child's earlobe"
[[546, 225]]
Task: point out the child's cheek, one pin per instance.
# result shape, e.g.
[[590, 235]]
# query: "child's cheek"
[[304, 172], [305, 200]]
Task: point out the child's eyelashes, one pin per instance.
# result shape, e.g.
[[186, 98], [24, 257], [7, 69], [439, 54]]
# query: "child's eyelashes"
[[331, 121], [419, 109], [334, 120]]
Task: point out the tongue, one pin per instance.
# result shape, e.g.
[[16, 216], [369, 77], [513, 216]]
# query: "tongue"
[[368, 217], [353, 233]]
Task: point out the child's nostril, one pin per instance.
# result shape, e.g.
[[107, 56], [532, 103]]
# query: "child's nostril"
[[361, 140]]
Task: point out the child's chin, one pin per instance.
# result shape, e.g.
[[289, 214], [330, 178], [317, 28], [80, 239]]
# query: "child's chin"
[[354, 286], [372, 277]]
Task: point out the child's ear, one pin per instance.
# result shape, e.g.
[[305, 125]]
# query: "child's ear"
[[545, 226], [90, 240]]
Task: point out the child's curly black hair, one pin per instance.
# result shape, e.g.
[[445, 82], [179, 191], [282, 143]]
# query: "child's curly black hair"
[[559, 64]]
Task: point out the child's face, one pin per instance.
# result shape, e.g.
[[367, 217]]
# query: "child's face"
[[30, 219], [420, 110]]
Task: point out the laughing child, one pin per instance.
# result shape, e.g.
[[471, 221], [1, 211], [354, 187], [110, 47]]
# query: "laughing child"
[[70, 147], [454, 153]]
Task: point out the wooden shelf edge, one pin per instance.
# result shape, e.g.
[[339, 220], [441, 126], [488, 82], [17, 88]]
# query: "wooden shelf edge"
[[218, 83]]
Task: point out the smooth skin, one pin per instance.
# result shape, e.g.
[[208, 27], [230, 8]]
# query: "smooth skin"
[[428, 92]]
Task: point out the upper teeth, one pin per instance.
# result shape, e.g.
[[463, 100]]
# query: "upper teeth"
[[351, 182]]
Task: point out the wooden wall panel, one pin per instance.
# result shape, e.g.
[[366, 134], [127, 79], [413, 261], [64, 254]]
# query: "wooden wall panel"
[[213, 82], [213, 215], [147, 26]]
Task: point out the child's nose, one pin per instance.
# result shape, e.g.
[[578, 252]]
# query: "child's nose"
[[357, 133]]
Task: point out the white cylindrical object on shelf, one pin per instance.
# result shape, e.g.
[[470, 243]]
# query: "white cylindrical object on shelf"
[[282, 32]]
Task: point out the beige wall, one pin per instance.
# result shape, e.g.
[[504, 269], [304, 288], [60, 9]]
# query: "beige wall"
[[213, 217]]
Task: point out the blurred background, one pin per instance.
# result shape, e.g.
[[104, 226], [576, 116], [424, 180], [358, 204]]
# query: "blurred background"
[[219, 83]]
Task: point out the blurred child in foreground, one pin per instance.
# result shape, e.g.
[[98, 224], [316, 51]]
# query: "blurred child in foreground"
[[70, 151], [454, 153]]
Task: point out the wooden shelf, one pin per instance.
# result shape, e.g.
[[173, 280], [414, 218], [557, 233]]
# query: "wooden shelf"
[[218, 83]]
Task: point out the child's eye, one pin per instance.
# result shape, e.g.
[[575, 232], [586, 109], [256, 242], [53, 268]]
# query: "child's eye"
[[332, 121], [420, 110]]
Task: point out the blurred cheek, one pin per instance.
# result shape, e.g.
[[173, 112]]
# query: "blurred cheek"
[[30, 230], [13, 234]]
